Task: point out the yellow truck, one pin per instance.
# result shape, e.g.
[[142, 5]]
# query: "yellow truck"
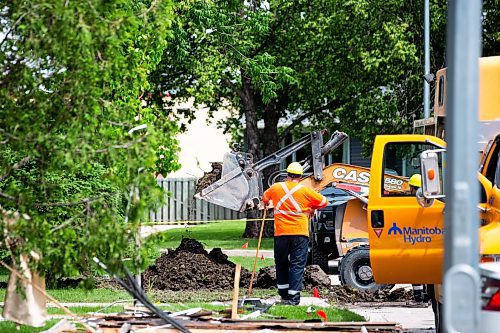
[[406, 233]]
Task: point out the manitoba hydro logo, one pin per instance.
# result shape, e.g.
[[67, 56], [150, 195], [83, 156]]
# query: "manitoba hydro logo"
[[413, 235]]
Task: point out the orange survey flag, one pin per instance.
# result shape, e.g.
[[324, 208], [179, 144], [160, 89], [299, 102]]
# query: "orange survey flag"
[[322, 314]]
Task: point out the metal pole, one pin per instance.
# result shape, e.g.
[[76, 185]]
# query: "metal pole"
[[427, 63], [461, 278]]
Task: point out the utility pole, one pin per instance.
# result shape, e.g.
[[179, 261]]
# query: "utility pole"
[[461, 278], [427, 62]]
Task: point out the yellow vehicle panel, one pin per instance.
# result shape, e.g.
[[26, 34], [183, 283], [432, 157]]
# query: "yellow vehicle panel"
[[489, 239], [489, 81], [406, 240], [354, 225]]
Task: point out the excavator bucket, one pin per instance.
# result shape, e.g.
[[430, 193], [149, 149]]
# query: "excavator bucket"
[[240, 186]]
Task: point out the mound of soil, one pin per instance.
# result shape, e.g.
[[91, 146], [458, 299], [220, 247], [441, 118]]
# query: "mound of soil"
[[190, 267], [314, 276], [209, 177], [346, 295]]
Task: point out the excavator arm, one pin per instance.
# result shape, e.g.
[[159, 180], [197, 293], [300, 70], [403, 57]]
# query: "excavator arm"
[[240, 186]]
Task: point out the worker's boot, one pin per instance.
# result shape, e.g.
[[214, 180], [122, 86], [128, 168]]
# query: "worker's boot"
[[294, 299], [418, 293], [284, 294]]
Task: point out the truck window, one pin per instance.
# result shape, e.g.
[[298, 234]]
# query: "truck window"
[[441, 91], [404, 159], [497, 174], [491, 168]]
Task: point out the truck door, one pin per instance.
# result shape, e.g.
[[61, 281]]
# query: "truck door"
[[406, 240], [489, 233], [490, 169]]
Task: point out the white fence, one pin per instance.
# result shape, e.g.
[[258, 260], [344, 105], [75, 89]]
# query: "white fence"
[[180, 204]]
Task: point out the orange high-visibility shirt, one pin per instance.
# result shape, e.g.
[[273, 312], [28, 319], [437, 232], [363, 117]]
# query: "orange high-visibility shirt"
[[292, 203]]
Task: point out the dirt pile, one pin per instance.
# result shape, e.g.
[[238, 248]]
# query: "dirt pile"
[[346, 294], [314, 276], [209, 177], [191, 267]]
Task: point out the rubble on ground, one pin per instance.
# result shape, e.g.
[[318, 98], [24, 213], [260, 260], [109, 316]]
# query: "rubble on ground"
[[349, 295], [209, 177], [191, 267], [314, 276]]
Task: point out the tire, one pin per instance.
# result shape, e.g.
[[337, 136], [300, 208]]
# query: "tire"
[[355, 270], [318, 257]]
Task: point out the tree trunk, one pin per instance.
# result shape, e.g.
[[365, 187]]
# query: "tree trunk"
[[270, 144], [251, 130], [252, 145], [270, 140]]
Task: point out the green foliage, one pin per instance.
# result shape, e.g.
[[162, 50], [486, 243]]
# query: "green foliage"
[[354, 65], [77, 142], [291, 58]]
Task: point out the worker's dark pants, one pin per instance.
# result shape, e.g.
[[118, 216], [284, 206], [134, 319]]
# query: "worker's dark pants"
[[290, 256]]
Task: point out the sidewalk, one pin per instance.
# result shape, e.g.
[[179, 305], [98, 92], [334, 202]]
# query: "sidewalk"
[[412, 320], [247, 253]]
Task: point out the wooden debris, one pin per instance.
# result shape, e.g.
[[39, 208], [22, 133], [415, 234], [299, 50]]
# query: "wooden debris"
[[236, 289], [208, 325]]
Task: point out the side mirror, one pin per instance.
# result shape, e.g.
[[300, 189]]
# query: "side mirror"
[[431, 174], [423, 201]]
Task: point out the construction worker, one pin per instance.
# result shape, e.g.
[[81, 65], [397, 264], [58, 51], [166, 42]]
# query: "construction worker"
[[292, 203], [415, 183]]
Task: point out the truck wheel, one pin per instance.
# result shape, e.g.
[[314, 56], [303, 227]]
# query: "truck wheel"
[[355, 270]]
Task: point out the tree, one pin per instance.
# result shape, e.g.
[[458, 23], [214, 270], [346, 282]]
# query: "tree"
[[355, 66], [78, 146]]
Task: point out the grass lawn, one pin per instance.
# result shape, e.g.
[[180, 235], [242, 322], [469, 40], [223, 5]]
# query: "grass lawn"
[[247, 262], [9, 327], [226, 235], [300, 313], [79, 295], [280, 311]]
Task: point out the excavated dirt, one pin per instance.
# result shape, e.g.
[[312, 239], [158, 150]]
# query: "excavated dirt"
[[346, 295], [209, 177], [314, 276], [190, 267]]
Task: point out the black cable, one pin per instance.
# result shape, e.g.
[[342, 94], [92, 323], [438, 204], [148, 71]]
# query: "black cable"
[[147, 303], [138, 294]]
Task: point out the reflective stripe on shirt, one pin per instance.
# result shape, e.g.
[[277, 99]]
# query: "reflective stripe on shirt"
[[288, 196]]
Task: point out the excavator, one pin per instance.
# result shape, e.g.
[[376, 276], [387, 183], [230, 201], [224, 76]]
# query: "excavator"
[[338, 231]]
